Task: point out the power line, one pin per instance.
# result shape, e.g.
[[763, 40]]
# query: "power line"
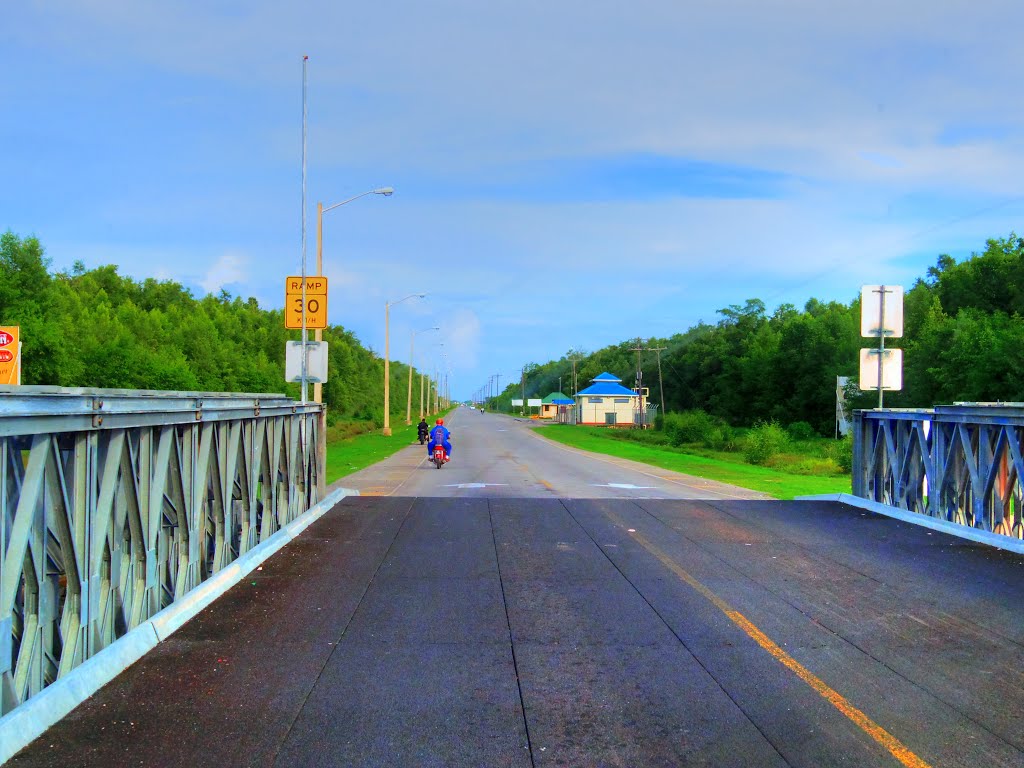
[[928, 230]]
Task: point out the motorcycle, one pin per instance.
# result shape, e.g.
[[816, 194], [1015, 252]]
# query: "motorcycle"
[[440, 457], [423, 438]]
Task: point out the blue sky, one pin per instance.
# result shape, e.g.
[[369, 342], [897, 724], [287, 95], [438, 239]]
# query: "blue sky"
[[567, 175]]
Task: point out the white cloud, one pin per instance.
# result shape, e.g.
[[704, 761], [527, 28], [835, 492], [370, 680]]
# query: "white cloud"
[[232, 267], [461, 330]]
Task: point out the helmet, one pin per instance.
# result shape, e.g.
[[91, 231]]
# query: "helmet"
[[440, 421]]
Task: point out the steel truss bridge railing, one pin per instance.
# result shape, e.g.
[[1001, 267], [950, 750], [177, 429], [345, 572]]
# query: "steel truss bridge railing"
[[960, 463], [116, 503]]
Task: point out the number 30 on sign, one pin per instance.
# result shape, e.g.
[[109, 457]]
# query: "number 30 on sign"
[[316, 302]]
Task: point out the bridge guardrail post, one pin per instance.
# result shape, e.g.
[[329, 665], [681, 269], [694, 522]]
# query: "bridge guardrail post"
[[859, 469], [321, 454]]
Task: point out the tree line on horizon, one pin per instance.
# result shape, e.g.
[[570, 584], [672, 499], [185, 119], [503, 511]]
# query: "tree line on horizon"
[[97, 328], [963, 341]]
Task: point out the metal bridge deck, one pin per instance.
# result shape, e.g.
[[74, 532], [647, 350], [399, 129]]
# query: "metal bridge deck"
[[505, 631]]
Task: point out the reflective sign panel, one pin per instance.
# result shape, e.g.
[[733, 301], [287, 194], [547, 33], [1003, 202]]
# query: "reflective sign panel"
[[316, 361], [873, 311], [316, 302], [892, 369]]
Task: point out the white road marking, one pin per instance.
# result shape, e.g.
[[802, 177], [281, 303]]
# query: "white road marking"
[[626, 486], [474, 485]]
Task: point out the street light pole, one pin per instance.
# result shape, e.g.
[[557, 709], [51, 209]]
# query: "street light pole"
[[387, 361], [437, 377], [423, 380], [320, 211], [446, 371], [412, 342]]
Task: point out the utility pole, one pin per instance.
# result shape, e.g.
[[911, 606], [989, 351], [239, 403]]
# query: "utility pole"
[[639, 382], [661, 386], [497, 389]]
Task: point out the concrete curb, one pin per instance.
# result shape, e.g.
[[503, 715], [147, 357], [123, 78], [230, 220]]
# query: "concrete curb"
[[24, 724], [943, 526]]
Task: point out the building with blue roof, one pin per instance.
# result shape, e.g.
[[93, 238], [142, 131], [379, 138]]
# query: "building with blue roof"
[[607, 403], [554, 403]]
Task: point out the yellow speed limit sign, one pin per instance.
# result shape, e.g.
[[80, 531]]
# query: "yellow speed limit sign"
[[316, 302]]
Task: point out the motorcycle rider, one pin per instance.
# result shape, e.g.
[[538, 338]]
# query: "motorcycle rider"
[[440, 434], [421, 430]]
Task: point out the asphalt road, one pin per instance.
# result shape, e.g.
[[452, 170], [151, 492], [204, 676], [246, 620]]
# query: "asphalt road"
[[497, 630], [499, 456]]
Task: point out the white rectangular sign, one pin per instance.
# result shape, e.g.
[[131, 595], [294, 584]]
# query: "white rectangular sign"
[[316, 361], [516, 401], [534, 402], [892, 369], [871, 310]]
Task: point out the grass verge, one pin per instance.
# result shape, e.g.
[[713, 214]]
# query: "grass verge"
[[780, 485]]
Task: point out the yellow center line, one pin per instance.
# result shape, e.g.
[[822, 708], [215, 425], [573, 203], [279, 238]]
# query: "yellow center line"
[[895, 747]]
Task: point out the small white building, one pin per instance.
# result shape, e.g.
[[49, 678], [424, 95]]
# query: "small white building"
[[607, 403], [551, 405]]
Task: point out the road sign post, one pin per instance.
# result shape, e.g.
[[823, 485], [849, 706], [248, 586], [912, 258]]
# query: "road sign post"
[[10, 354], [305, 307]]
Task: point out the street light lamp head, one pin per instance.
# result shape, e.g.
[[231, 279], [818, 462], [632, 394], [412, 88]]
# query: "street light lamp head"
[[386, 191]]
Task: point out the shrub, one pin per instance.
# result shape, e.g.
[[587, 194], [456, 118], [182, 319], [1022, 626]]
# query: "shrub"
[[765, 440], [800, 430], [722, 438], [690, 427], [841, 452]]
